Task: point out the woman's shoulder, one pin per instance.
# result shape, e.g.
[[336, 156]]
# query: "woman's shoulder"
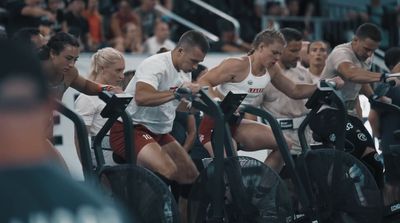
[[236, 63]]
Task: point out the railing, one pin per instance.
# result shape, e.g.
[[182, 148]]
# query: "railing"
[[331, 30], [186, 23], [220, 13], [338, 9]]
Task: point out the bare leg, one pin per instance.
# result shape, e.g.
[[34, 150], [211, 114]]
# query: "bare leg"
[[256, 136], [210, 151], [186, 170], [154, 158]]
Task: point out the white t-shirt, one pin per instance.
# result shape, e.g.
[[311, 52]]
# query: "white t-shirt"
[[159, 72], [151, 46], [89, 108]]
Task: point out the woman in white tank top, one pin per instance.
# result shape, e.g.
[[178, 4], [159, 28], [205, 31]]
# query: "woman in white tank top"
[[250, 74]]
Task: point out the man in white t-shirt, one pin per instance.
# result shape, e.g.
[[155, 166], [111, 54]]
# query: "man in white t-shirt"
[[159, 40], [157, 90]]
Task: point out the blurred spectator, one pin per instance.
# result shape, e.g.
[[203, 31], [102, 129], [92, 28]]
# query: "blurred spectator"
[[229, 41], [378, 14], [122, 17], [148, 16], [30, 36], [56, 7], [46, 31], [34, 188], [159, 40], [92, 15], [77, 24], [243, 11], [131, 40], [128, 75], [27, 13], [293, 9], [273, 8]]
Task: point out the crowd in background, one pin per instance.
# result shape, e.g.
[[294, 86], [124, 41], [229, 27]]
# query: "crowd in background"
[[135, 26]]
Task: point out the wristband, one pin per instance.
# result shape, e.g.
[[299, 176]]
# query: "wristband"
[[104, 88]]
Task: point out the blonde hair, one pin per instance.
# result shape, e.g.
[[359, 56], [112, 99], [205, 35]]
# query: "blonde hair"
[[102, 58], [267, 36]]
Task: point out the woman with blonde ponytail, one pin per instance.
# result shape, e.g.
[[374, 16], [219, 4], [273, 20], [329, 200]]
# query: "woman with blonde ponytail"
[[107, 67]]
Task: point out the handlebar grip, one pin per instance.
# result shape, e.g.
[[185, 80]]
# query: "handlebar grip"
[[327, 83], [392, 83]]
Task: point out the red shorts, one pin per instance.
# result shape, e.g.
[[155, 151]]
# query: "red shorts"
[[206, 127], [142, 137]]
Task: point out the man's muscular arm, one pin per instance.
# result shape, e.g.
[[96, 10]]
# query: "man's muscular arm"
[[355, 74], [288, 87], [147, 95]]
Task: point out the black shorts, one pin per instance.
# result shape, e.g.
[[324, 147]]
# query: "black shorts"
[[324, 123]]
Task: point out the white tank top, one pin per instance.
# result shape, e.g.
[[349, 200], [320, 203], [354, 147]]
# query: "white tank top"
[[252, 85]]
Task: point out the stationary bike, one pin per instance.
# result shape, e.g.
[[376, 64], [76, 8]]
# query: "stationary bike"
[[331, 185], [235, 189], [389, 115], [145, 195]]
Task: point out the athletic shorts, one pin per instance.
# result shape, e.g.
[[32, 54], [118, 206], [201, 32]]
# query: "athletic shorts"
[[324, 123], [207, 126], [142, 137]]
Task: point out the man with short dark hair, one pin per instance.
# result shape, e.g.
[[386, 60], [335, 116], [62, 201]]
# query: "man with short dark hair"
[[34, 188], [352, 62], [157, 92]]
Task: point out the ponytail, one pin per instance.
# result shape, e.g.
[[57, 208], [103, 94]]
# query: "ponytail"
[[94, 66], [251, 51], [102, 58]]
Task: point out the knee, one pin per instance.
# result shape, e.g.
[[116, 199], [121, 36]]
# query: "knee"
[[169, 171], [191, 173]]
